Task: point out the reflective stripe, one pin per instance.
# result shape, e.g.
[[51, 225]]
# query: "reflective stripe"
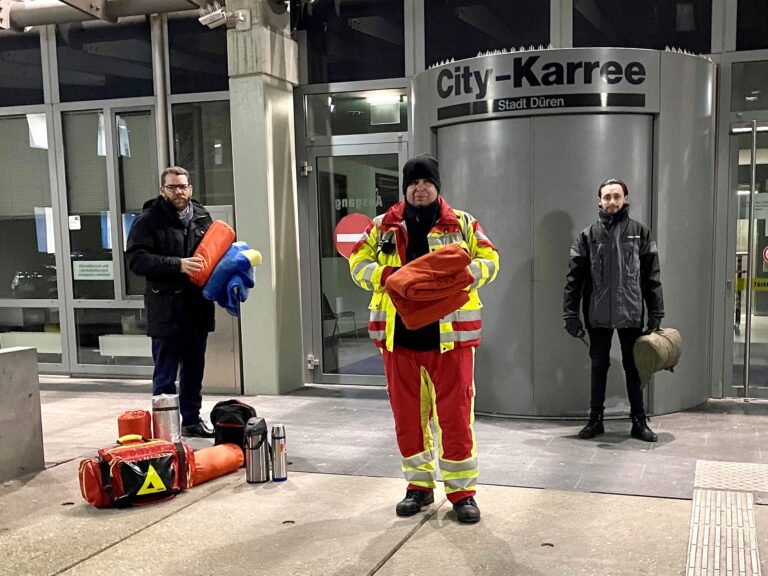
[[377, 334], [445, 239], [452, 466], [378, 316], [455, 484], [481, 236], [419, 459], [491, 267], [359, 267], [447, 337], [465, 335], [463, 316], [369, 270], [418, 475], [476, 269]]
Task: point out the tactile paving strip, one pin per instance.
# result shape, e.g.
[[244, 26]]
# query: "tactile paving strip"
[[731, 476], [723, 540]]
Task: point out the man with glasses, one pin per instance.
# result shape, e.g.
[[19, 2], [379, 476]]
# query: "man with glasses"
[[160, 247]]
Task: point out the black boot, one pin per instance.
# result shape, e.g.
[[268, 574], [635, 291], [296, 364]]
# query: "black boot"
[[640, 429], [467, 511], [594, 427], [413, 501]]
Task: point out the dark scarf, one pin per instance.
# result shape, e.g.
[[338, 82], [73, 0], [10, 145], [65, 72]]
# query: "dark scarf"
[[609, 219]]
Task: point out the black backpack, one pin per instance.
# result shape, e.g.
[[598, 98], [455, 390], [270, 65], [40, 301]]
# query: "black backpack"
[[229, 418]]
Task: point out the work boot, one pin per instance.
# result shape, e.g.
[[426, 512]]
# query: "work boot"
[[467, 511], [594, 427], [413, 501], [640, 429]]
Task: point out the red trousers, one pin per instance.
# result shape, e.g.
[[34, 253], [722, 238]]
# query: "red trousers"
[[439, 387]]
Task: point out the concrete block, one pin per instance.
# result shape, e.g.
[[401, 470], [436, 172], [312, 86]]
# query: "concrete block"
[[21, 428]]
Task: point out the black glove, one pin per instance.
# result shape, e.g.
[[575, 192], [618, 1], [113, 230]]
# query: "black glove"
[[653, 324], [574, 327]]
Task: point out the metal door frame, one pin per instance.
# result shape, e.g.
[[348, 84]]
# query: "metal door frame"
[[740, 389], [314, 345]]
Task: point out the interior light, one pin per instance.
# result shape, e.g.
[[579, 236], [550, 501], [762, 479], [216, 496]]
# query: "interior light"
[[604, 99], [383, 99]]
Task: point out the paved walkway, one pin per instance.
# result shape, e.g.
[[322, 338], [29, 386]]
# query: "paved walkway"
[[670, 508]]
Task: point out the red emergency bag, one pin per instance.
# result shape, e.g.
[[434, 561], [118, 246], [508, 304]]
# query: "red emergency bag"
[[136, 471]]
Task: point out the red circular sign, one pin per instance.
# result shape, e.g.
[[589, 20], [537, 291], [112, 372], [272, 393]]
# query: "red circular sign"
[[349, 231], [765, 253]]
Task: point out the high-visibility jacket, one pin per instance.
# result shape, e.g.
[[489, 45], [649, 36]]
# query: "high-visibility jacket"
[[382, 249]]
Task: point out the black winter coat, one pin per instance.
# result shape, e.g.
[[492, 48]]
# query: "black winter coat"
[[614, 270], [156, 244]]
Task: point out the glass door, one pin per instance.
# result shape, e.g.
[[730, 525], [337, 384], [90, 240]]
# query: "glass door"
[[749, 179], [110, 170], [344, 180]]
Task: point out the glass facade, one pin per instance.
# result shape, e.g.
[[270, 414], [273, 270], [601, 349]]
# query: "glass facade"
[[27, 239], [138, 176], [90, 238], [749, 86], [653, 24], [112, 336], [98, 60], [34, 327], [197, 56], [21, 69], [353, 40], [752, 25], [357, 113], [482, 26], [202, 143]]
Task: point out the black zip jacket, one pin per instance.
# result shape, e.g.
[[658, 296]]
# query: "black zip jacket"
[[614, 273], [156, 244]]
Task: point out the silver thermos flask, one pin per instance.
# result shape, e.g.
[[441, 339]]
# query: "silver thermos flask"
[[256, 451], [166, 422], [279, 454]]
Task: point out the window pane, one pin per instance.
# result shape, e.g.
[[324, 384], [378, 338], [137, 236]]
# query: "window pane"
[[197, 55], [112, 336], [482, 25], [357, 113], [202, 143], [749, 86], [35, 327], [89, 226], [752, 25], [653, 24], [99, 60], [27, 248], [368, 185], [138, 178], [355, 40], [21, 69]]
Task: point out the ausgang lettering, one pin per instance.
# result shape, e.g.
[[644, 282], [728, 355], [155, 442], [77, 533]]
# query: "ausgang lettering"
[[463, 80]]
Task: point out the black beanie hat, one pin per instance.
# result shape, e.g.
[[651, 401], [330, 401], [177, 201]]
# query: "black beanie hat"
[[423, 166]]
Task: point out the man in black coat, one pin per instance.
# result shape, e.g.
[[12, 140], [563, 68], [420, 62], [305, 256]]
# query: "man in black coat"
[[160, 247], [614, 270]]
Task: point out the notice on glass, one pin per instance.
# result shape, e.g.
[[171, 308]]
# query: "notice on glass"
[[74, 222], [93, 270]]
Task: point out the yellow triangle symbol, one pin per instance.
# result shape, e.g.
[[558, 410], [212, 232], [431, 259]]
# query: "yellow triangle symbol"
[[152, 484]]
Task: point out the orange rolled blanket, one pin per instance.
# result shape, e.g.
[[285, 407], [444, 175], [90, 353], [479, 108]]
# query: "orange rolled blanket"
[[431, 287], [215, 461], [217, 240]]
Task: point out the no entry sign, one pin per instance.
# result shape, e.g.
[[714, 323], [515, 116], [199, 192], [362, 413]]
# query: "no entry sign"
[[348, 232]]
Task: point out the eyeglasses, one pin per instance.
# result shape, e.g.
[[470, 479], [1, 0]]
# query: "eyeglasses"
[[177, 187]]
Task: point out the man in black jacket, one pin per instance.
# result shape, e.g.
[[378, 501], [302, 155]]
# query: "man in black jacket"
[[614, 270], [160, 247]]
